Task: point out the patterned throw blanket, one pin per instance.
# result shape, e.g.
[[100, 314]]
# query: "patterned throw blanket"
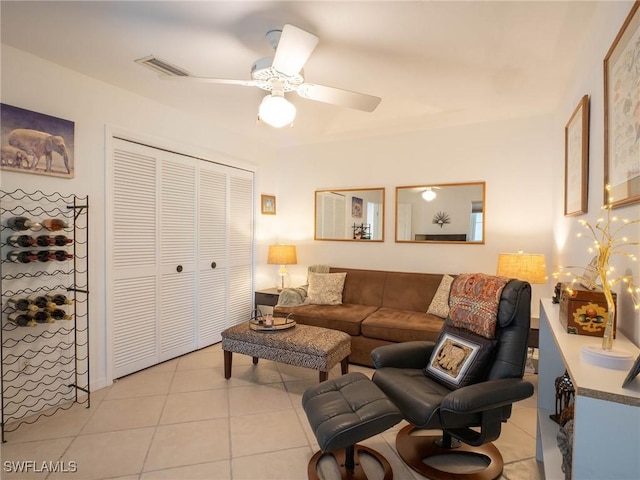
[[474, 301], [291, 297]]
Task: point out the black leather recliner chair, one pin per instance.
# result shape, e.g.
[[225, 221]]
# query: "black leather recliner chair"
[[470, 416]]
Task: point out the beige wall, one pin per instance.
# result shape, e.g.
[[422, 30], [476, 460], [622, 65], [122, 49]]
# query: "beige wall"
[[589, 80], [513, 157], [96, 108]]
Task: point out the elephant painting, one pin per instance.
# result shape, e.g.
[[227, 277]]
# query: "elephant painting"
[[26, 137], [39, 144], [14, 157]]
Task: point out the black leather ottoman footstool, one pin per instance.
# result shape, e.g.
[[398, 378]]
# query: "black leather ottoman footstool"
[[342, 412]]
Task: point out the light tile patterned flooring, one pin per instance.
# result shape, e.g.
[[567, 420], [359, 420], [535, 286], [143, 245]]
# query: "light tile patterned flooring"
[[181, 420]]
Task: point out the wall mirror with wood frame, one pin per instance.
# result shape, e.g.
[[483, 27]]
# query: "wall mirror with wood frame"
[[350, 215], [441, 213]]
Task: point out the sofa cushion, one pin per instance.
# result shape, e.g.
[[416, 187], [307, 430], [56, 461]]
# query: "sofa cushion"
[[325, 288], [401, 325], [410, 291], [346, 317], [440, 304], [460, 358], [362, 287]]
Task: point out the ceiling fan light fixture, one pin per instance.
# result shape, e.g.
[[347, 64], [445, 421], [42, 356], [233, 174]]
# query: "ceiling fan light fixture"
[[276, 111], [428, 194]]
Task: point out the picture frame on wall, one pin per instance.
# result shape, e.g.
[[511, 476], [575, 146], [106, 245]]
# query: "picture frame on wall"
[[633, 373], [268, 204], [622, 114], [36, 143], [356, 207], [576, 160]]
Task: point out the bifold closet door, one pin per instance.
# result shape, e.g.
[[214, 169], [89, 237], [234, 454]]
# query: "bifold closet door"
[[240, 298], [182, 263], [133, 299], [213, 264], [177, 260]]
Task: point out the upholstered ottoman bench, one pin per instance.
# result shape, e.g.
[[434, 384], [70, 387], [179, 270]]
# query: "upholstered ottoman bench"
[[342, 412], [302, 346]]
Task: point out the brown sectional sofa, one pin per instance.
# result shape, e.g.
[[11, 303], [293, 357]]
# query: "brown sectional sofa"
[[378, 308]]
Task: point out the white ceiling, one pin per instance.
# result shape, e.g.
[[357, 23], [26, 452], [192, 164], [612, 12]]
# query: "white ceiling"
[[434, 63]]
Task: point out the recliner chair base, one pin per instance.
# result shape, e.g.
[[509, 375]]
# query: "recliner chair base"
[[414, 448], [341, 458]]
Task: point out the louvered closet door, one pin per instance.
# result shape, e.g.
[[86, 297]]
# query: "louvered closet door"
[[213, 264], [177, 315], [240, 246], [134, 256], [182, 254]]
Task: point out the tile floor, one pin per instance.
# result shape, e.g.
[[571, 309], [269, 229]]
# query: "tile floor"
[[182, 420]]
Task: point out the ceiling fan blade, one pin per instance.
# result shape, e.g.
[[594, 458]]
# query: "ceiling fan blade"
[[225, 81], [337, 96], [294, 48]]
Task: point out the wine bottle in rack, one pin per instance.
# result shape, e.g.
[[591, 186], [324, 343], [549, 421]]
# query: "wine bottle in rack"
[[18, 302], [41, 316], [21, 319], [54, 224], [45, 255], [62, 240], [62, 255], [41, 301], [59, 299], [44, 240], [20, 224], [21, 241], [59, 314], [21, 257]]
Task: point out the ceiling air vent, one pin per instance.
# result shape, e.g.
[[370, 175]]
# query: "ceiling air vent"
[[154, 63]]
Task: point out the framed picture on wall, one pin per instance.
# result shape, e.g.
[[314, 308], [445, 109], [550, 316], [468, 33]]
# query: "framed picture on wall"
[[356, 207], [33, 142], [576, 160], [622, 114], [268, 203], [633, 373]]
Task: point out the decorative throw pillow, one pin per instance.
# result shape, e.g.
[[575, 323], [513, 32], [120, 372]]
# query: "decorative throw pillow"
[[460, 358], [440, 304], [325, 288]]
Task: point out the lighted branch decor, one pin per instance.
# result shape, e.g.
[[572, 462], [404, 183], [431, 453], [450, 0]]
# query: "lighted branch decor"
[[608, 241]]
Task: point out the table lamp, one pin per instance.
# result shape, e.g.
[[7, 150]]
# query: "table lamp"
[[282, 255], [529, 267]]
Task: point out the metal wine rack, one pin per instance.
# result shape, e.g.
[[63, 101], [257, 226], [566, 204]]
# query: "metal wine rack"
[[45, 368]]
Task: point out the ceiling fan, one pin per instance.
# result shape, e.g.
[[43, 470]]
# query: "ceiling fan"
[[283, 73]]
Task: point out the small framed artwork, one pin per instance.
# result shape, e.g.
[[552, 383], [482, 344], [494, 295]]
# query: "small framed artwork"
[[576, 160], [33, 142], [622, 114], [356, 207], [268, 203], [633, 373]]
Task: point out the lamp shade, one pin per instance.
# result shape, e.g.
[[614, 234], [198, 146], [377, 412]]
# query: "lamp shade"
[[529, 267], [282, 255], [277, 111]]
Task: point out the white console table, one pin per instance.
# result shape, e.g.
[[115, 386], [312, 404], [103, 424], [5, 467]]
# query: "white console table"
[[606, 442]]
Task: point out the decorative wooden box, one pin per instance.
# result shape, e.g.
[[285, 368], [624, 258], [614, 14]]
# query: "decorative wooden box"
[[583, 311]]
